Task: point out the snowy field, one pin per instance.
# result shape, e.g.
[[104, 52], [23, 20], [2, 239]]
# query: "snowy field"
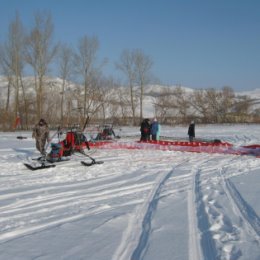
[[138, 205]]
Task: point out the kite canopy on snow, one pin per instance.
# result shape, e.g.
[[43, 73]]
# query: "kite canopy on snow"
[[183, 146]]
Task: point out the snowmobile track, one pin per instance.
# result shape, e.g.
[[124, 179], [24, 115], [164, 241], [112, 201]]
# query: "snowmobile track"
[[246, 212]]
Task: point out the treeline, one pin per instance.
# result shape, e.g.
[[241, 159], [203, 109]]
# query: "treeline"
[[63, 103], [205, 106], [111, 103], [34, 49]]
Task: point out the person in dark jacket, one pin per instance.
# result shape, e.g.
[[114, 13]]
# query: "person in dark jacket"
[[145, 130], [41, 134], [191, 131]]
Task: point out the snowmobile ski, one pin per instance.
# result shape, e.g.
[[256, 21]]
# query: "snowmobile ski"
[[91, 163], [38, 167], [21, 137], [61, 159], [37, 159]]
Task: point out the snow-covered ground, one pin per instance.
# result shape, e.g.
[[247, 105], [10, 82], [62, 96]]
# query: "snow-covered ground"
[[139, 204]]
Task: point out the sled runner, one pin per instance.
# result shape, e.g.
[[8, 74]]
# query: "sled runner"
[[39, 167], [91, 163], [21, 137]]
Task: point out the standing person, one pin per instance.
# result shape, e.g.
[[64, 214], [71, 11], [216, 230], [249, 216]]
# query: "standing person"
[[191, 131], [154, 129], [59, 131], [41, 134], [158, 132], [145, 130]]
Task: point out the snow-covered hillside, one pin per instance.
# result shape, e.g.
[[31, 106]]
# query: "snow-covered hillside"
[[150, 90], [139, 204]]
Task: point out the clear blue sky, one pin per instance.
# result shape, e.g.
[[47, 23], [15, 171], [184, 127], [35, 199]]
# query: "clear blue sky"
[[195, 43]]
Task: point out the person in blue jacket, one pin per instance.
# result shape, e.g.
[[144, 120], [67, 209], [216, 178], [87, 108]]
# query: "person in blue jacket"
[[154, 129], [158, 132]]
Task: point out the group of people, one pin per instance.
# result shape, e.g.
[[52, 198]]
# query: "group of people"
[[149, 129]]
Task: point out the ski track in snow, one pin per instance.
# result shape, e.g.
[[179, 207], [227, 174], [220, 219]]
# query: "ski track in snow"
[[140, 227], [219, 218], [246, 211], [49, 204], [219, 228]]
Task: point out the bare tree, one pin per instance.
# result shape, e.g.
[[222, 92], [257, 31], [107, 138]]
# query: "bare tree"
[[172, 104], [212, 97], [220, 104], [199, 103], [182, 102], [84, 61], [13, 63], [143, 64], [164, 104], [16, 39], [98, 96], [227, 103], [127, 66], [40, 52], [65, 69], [124, 104], [241, 108], [214, 105], [5, 68]]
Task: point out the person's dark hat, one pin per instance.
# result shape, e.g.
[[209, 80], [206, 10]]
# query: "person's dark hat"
[[42, 121]]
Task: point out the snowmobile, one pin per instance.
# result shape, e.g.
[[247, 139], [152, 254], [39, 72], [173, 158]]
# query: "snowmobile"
[[106, 132], [74, 142]]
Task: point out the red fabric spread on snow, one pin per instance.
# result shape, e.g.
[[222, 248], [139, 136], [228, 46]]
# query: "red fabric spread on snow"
[[182, 146], [137, 144]]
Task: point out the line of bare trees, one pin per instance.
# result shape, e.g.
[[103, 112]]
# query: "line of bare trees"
[[33, 49], [205, 106], [63, 102], [36, 51]]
